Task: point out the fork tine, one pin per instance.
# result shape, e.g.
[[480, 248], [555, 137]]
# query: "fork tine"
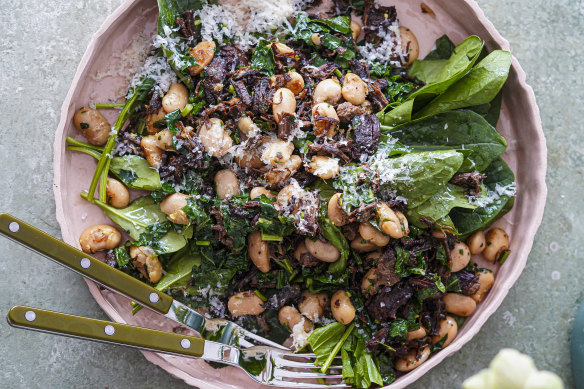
[[283, 373], [292, 384], [305, 356], [280, 362]]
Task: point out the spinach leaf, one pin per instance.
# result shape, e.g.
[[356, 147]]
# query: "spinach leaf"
[[416, 176], [179, 270], [479, 86], [438, 75], [444, 49], [441, 203], [324, 339], [490, 111], [457, 130], [135, 172], [359, 367], [262, 57], [141, 217], [305, 27], [494, 202], [335, 236]]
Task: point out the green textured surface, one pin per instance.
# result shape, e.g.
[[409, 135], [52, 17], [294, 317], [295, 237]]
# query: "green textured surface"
[[42, 42]]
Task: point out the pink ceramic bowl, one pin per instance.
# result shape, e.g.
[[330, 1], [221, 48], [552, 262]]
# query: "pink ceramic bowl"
[[101, 76]]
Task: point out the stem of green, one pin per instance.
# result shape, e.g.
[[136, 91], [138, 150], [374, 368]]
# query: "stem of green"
[[108, 105], [338, 73], [384, 128], [103, 162], [94, 153], [76, 142], [337, 348]]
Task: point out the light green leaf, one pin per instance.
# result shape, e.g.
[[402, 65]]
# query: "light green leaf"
[[178, 271], [441, 203], [135, 172], [479, 86], [141, 213]]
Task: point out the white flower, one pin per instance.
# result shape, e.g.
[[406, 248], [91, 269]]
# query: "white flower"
[[511, 369], [544, 380], [482, 380]]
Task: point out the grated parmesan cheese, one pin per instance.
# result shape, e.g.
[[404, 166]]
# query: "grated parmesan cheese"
[[159, 70], [390, 46], [299, 335], [240, 19]]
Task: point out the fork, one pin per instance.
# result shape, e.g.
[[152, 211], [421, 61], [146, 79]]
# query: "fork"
[[266, 365], [122, 283]]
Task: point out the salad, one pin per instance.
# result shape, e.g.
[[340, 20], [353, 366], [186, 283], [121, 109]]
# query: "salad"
[[308, 177]]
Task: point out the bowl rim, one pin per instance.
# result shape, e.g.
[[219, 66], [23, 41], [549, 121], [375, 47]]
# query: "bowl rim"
[[538, 186]]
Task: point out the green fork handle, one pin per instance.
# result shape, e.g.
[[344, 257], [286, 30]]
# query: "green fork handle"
[[105, 331], [84, 264]]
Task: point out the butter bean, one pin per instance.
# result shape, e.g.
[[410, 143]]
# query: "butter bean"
[[486, 281], [323, 250], [245, 303], [411, 360], [336, 214], [177, 97], [117, 194], [342, 308], [327, 91], [93, 125], [259, 251], [459, 257], [409, 44], [203, 54], [226, 183], [477, 242], [283, 102], [99, 237], [497, 243], [172, 206], [459, 304], [354, 90], [448, 327]]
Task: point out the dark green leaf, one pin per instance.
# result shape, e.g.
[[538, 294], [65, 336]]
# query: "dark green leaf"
[[440, 204], [340, 24], [494, 202], [335, 236], [417, 176], [262, 57], [271, 222], [444, 49], [455, 130]]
